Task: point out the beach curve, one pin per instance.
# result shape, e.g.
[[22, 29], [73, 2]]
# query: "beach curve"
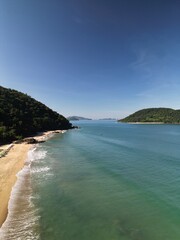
[[11, 164]]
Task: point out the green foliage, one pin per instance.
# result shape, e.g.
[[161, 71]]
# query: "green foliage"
[[21, 116], [164, 115]]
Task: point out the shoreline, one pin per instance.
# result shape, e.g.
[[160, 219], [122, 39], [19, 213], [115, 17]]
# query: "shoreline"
[[146, 123], [150, 123], [13, 162]]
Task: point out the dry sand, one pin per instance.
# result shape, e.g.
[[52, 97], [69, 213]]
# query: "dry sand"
[[10, 165]]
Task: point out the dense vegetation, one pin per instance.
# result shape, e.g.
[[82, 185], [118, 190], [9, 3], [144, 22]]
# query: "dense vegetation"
[[164, 115], [21, 116]]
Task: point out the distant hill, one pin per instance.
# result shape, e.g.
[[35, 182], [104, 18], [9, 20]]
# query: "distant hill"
[[109, 119], [163, 115], [21, 116], [76, 118]]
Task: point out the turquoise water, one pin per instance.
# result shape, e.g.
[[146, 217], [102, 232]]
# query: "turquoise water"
[[108, 181]]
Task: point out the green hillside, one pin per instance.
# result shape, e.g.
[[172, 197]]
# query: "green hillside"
[[21, 116], [164, 115]]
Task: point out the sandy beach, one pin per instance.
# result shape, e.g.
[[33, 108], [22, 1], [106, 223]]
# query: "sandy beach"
[[10, 165]]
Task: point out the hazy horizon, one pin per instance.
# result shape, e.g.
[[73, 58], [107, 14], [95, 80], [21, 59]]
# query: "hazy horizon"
[[95, 59]]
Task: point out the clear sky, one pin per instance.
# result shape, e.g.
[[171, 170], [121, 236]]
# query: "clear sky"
[[92, 58]]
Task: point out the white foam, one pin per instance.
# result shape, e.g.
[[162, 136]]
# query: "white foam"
[[40, 170], [36, 154], [22, 216], [64, 131]]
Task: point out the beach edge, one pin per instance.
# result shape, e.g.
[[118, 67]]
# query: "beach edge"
[[11, 164]]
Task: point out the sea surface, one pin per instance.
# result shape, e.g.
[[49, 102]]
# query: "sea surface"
[[104, 181]]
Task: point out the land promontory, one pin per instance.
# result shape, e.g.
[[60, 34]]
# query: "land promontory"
[[154, 115], [77, 118], [22, 116]]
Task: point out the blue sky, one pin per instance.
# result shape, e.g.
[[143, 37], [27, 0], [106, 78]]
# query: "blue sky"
[[93, 58]]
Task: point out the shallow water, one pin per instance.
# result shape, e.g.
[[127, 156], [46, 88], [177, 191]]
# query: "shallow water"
[[106, 181]]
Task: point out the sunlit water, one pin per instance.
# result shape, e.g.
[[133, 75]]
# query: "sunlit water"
[[104, 181]]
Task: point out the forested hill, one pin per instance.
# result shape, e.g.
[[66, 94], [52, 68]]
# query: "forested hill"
[[164, 115], [21, 116], [76, 118]]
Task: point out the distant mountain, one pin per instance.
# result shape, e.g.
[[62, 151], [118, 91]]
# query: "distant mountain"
[[76, 118], [21, 116], [161, 115], [107, 119]]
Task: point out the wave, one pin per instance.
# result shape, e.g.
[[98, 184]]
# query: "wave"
[[36, 154], [40, 170]]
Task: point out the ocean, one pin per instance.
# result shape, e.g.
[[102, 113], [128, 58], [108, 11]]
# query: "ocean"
[[103, 181]]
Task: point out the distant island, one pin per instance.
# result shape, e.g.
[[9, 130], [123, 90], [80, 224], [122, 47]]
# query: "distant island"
[[154, 115], [109, 119], [76, 118], [22, 116]]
